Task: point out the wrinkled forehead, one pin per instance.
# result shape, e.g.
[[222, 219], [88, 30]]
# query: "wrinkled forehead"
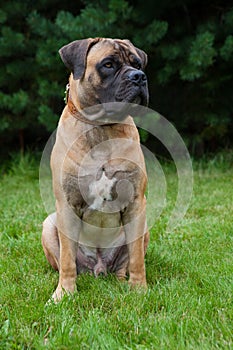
[[108, 47]]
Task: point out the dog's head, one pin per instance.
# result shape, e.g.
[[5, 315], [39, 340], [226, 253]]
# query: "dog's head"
[[106, 71]]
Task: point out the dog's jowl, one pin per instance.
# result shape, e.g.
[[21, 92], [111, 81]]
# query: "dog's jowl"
[[98, 169]]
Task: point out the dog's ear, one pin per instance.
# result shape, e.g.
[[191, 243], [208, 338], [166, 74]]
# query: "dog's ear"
[[74, 55], [143, 57]]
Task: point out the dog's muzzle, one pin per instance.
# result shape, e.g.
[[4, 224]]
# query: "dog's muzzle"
[[137, 77], [133, 88]]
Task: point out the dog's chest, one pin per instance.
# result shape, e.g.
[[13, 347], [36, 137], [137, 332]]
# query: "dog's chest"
[[103, 173], [104, 186], [100, 191]]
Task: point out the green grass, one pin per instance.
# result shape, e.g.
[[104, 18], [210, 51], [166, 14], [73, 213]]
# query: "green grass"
[[188, 304]]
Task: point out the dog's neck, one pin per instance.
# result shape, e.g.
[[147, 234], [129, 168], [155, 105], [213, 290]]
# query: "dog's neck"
[[74, 111], [78, 115], [92, 115]]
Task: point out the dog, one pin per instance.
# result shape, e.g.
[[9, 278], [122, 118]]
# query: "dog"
[[98, 168]]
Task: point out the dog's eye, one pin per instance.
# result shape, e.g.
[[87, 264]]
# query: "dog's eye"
[[108, 65]]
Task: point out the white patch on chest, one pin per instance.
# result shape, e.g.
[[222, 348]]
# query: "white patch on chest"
[[100, 191]]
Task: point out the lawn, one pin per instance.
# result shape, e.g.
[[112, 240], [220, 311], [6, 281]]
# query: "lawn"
[[188, 304]]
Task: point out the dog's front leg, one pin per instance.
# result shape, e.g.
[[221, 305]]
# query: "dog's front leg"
[[68, 225], [134, 221], [68, 270]]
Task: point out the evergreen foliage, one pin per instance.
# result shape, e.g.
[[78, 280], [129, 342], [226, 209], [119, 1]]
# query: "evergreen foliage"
[[190, 49]]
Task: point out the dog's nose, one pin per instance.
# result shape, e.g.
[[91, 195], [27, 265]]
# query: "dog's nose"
[[137, 77]]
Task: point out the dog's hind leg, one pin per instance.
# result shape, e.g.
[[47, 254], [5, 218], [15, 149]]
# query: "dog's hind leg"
[[50, 241]]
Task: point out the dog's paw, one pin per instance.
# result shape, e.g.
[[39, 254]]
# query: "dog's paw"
[[121, 275], [58, 295], [138, 284], [122, 278]]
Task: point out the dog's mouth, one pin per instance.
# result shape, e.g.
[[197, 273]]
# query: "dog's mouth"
[[128, 93], [127, 97]]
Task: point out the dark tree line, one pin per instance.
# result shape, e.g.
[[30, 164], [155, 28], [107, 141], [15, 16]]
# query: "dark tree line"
[[190, 70]]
